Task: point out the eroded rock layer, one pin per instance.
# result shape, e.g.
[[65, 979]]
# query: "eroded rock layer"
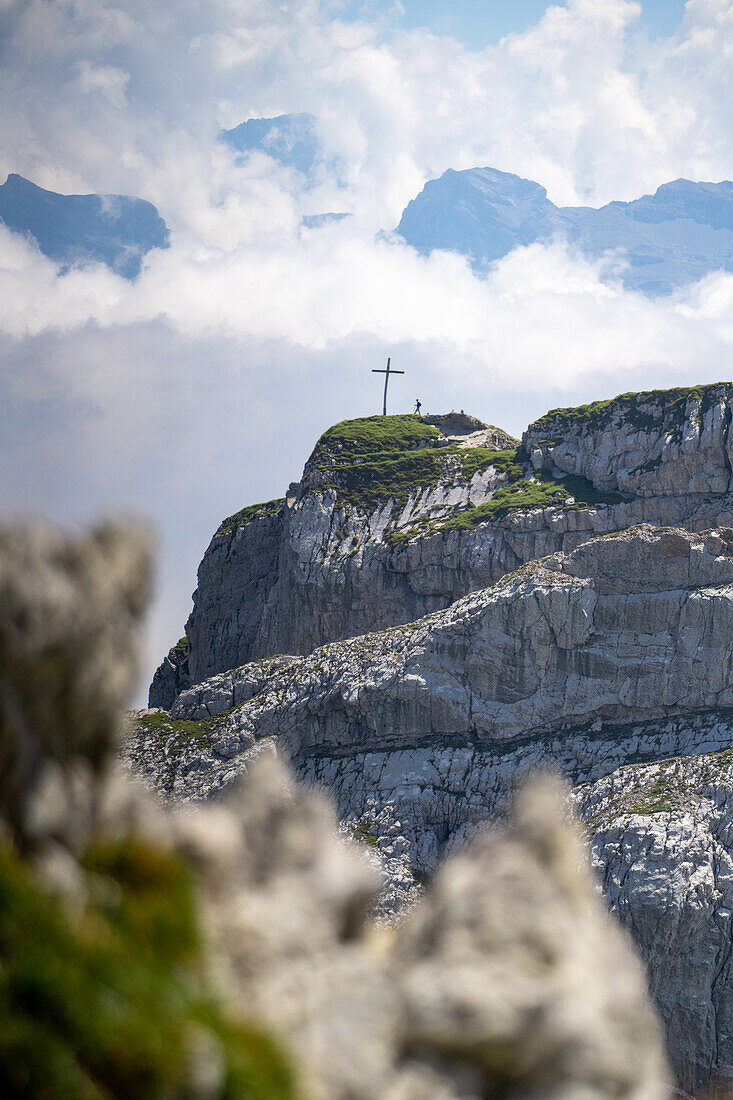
[[616, 651]]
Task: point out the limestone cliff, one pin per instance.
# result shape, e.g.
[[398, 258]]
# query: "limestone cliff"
[[490, 609], [618, 650], [662, 845], [396, 517]]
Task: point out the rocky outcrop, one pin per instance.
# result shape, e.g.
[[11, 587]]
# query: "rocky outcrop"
[[662, 442], [618, 650], [662, 846], [236, 578], [228, 954], [70, 612], [172, 675], [398, 517], [564, 604]]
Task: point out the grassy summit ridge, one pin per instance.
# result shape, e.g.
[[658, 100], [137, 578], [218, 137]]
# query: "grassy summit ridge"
[[368, 435], [371, 461], [642, 410]]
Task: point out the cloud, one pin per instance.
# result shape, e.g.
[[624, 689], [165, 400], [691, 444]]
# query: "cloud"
[[104, 79], [582, 101], [202, 386], [542, 307]]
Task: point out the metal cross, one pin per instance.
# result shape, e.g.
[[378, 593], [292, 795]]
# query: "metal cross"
[[386, 374]]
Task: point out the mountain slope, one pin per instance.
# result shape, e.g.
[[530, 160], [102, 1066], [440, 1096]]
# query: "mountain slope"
[[576, 597], [397, 517], [116, 230], [673, 237], [662, 847], [619, 651]]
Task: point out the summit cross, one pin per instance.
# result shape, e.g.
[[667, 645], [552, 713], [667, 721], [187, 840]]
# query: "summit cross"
[[386, 374]]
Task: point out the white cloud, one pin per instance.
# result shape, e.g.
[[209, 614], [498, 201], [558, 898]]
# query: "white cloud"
[[103, 79], [202, 385]]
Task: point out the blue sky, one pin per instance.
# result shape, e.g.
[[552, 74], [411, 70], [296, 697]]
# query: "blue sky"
[[201, 387], [480, 23]]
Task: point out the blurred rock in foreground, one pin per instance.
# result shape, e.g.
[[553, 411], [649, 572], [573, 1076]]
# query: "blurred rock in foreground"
[[137, 945]]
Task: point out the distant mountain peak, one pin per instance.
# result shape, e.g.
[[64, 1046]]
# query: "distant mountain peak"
[[291, 140], [116, 230], [671, 238]]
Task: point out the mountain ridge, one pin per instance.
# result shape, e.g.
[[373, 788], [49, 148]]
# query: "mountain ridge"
[[668, 239], [385, 527]]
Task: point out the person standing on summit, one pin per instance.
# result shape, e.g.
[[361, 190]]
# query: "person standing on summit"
[[418, 406]]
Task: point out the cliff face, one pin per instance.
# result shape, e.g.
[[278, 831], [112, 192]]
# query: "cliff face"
[[662, 847], [660, 443], [566, 603], [396, 517], [620, 649]]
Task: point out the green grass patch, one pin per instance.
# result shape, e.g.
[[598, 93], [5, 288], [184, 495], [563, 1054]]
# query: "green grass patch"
[[113, 1004], [184, 732], [371, 461], [363, 835], [370, 435], [541, 491], [246, 515], [169, 740]]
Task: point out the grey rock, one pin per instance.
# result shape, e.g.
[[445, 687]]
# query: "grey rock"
[[235, 579], [619, 650], [507, 978], [171, 677], [70, 612], [368, 1011], [654, 443], [296, 574], [662, 846], [381, 837], [497, 966]]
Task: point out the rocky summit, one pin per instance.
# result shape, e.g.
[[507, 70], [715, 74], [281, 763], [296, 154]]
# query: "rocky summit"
[[436, 610]]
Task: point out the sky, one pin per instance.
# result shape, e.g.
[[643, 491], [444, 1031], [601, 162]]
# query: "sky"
[[481, 23], [202, 387]]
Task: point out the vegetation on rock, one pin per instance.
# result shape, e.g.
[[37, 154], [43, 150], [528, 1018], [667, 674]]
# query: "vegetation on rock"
[[246, 515], [641, 410], [378, 459], [113, 1003], [521, 494]]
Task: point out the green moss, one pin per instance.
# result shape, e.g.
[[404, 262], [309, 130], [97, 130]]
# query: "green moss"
[[113, 1003], [246, 515], [364, 836]]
